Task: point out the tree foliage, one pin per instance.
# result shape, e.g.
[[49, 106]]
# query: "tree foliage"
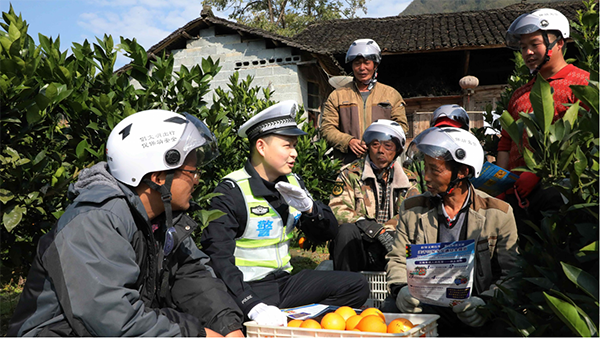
[[58, 110], [557, 270], [287, 17]]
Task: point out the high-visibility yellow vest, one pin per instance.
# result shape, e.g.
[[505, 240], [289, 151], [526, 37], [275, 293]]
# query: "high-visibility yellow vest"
[[264, 245]]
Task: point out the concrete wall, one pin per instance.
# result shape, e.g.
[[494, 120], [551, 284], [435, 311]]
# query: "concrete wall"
[[275, 68]]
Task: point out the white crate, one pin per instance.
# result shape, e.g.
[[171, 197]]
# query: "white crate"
[[378, 286], [426, 326]]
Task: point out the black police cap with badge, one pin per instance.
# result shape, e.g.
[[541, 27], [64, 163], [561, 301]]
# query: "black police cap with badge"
[[278, 119]]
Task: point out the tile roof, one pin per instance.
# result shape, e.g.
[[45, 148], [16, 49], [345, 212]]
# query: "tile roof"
[[426, 32]]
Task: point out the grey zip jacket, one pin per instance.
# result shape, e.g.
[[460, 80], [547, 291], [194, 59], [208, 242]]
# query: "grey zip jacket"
[[103, 271]]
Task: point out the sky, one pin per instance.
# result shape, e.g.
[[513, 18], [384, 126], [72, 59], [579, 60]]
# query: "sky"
[[149, 21]]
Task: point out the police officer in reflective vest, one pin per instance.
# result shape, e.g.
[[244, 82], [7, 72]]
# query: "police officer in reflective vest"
[[264, 202]]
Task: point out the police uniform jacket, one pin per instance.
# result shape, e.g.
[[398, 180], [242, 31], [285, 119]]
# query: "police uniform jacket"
[[219, 237]]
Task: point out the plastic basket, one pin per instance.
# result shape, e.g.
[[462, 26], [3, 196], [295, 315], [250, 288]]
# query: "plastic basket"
[[378, 286], [426, 326]]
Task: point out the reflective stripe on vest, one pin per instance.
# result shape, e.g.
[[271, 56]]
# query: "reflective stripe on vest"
[[264, 245]]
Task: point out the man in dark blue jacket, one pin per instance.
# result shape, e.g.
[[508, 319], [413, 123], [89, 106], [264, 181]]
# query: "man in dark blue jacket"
[[120, 261]]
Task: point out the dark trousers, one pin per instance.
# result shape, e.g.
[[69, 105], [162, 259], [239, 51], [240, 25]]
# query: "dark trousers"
[[450, 326], [352, 250], [313, 286], [540, 200]]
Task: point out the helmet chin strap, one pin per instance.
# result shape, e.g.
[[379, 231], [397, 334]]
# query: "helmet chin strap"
[[165, 195], [548, 54], [371, 83], [453, 182]]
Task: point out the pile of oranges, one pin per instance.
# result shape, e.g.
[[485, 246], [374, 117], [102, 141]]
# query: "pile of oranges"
[[345, 318]]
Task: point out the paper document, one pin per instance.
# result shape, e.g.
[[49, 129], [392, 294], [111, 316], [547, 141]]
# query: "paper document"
[[494, 179], [307, 311], [441, 273]]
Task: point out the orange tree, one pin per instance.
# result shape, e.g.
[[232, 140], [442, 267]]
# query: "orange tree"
[[557, 270], [57, 111]]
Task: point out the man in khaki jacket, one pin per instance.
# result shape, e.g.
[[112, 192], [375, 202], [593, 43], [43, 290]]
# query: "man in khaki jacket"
[[452, 210], [349, 110], [367, 196]]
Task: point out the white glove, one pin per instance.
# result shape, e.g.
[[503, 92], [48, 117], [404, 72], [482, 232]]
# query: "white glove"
[[467, 312], [264, 314], [407, 303], [295, 197]]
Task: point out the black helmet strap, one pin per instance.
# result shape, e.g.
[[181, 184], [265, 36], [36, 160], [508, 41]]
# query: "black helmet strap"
[[165, 194], [548, 54]]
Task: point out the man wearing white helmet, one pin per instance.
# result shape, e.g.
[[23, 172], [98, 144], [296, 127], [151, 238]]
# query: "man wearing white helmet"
[[450, 115], [349, 110], [264, 202], [540, 36], [452, 210], [120, 261], [367, 196]]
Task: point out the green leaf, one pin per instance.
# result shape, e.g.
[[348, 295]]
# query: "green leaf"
[[590, 247], [580, 162], [207, 216], [39, 157], [80, 150], [509, 124], [588, 95], [569, 315], [542, 103], [6, 195], [529, 158], [571, 114], [582, 279], [13, 32], [13, 217]]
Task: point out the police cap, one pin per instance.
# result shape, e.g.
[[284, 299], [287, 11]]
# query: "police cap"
[[278, 119]]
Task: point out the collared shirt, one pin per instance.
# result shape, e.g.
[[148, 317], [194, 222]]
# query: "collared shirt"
[[452, 227], [519, 102]]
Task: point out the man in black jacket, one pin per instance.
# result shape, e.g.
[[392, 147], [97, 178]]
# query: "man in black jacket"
[[120, 261], [264, 202]]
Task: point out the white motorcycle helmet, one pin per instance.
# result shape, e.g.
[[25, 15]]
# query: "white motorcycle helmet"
[[450, 144], [544, 19], [384, 130], [453, 112], [367, 48], [157, 140]]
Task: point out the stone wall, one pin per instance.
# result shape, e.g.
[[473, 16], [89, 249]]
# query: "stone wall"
[[275, 68]]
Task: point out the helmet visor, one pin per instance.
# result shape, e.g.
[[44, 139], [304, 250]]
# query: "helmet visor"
[[525, 24], [433, 142], [197, 136]]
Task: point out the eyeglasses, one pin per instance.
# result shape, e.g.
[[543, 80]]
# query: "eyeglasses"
[[387, 145], [195, 173]]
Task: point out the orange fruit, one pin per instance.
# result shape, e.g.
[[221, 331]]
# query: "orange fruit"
[[372, 323], [352, 321], [400, 325], [333, 321], [346, 312], [373, 311], [310, 324], [295, 323], [301, 242]]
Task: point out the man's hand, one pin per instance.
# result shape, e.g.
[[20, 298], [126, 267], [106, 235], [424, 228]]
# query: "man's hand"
[[264, 314], [357, 147], [467, 312], [407, 303], [211, 333], [525, 184], [236, 333], [295, 197], [386, 239]]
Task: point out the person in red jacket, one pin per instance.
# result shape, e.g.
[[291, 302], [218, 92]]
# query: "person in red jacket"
[[540, 36]]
